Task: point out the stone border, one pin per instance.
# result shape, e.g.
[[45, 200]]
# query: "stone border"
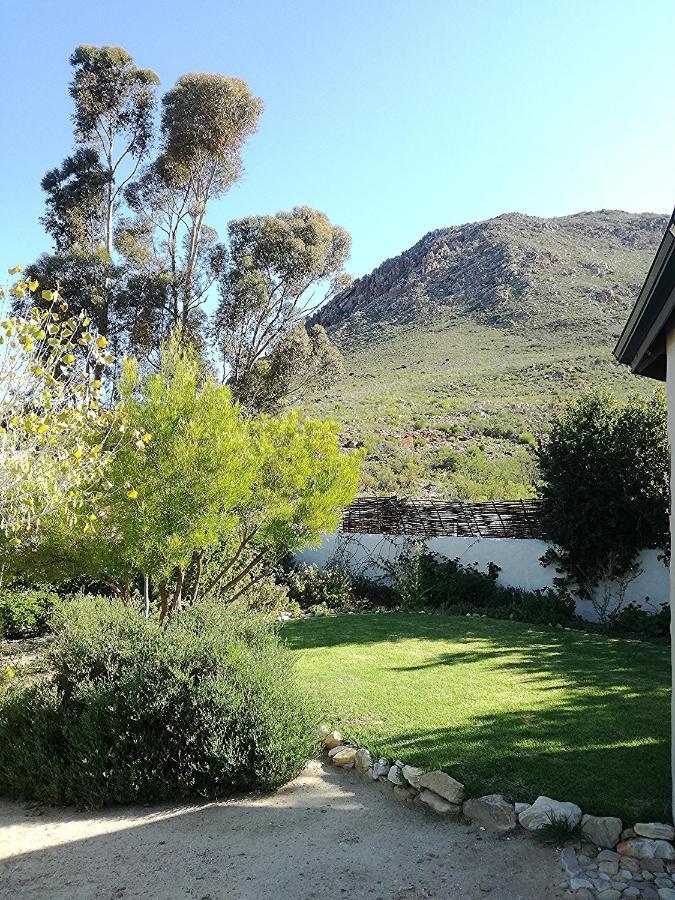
[[608, 863]]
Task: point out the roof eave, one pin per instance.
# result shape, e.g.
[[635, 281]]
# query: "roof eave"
[[640, 345]]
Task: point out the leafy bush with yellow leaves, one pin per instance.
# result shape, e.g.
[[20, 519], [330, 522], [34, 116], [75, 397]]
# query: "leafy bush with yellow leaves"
[[56, 435]]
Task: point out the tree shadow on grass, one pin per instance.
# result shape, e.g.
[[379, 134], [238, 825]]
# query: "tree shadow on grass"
[[532, 751], [599, 736]]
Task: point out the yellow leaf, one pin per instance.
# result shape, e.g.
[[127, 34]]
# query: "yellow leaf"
[[32, 285], [48, 296], [132, 494]]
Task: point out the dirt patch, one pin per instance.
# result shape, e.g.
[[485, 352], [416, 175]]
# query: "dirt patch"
[[326, 835]]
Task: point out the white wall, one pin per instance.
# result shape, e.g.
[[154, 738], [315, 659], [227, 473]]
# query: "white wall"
[[517, 557]]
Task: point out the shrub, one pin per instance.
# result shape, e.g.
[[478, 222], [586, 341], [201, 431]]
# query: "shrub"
[[137, 712], [24, 612], [424, 579], [446, 458], [310, 586], [604, 487], [635, 620]]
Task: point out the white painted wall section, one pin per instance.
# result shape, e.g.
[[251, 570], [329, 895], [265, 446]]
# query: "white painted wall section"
[[518, 558]]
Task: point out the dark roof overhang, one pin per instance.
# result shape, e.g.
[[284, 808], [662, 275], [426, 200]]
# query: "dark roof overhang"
[[642, 344]]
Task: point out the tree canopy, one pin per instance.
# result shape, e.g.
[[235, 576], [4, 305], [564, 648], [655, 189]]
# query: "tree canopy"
[[218, 498], [604, 485], [127, 211]]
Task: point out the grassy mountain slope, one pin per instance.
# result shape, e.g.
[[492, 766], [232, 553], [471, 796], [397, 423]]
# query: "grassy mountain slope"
[[458, 350]]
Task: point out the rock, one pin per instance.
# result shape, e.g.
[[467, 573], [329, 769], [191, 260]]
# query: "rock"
[[381, 767], [544, 811], [578, 883], [609, 868], [493, 812], [604, 831], [656, 830], [664, 850], [627, 834], [609, 894], [343, 756], [608, 856], [630, 864], [666, 893], [638, 848], [412, 775], [521, 807], [395, 775], [443, 785], [440, 804], [406, 792], [570, 862], [646, 848], [332, 739], [363, 760], [322, 732]]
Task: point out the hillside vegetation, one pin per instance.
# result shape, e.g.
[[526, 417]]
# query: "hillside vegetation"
[[458, 350]]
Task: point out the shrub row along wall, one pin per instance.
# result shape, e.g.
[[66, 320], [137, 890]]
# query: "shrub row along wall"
[[518, 558]]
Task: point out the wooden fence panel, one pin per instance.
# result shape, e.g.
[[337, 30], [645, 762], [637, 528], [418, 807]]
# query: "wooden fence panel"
[[444, 518]]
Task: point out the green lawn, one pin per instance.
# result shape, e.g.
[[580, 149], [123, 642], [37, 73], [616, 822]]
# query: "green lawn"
[[502, 706]]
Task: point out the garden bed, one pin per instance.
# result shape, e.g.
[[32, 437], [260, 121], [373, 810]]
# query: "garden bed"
[[522, 710]]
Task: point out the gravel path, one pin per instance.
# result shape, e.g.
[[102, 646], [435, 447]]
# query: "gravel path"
[[326, 835]]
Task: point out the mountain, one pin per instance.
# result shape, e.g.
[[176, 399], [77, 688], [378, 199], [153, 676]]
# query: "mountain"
[[458, 349]]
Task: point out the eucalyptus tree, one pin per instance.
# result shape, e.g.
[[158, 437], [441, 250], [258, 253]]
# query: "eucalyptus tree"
[[206, 120], [281, 269], [113, 133], [114, 109]]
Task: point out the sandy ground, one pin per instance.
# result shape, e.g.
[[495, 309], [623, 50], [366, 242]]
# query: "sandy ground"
[[326, 835]]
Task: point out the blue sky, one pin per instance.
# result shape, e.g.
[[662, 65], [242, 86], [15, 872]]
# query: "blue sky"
[[392, 117]]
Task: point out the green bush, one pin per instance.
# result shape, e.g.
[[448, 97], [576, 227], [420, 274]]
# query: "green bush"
[[310, 586], [137, 712], [604, 487], [24, 611], [635, 620], [423, 579]]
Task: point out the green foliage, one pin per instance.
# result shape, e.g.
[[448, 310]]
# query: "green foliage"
[[604, 472], [277, 265], [137, 712], [217, 498], [56, 439], [25, 611], [133, 245], [423, 579], [558, 830], [635, 620], [205, 121], [310, 586]]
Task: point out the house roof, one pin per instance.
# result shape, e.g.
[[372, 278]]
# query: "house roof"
[[642, 344]]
